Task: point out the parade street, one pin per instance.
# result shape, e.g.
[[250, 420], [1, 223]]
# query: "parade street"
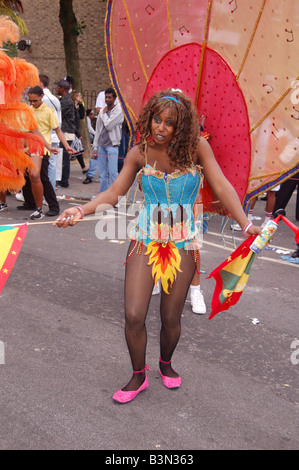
[[62, 335]]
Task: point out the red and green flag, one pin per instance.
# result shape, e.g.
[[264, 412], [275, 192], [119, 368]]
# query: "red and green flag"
[[11, 239], [231, 277]]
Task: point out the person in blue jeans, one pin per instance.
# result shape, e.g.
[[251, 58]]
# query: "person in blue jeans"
[[106, 142]]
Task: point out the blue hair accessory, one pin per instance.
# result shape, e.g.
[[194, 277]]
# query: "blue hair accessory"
[[170, 98]]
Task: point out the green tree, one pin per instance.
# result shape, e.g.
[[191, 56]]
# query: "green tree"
[[71, 31], [13, 8]]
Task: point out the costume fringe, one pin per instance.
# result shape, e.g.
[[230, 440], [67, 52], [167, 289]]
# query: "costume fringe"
[[18, 116], [26, 76], [166, 260], [7, 71], [13, 159], [9, 31], [15, 140], [19, 160], [205, 197], [12, 184], [17, 119]]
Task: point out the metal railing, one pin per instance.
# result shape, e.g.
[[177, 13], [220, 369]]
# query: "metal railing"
[[89, 98]]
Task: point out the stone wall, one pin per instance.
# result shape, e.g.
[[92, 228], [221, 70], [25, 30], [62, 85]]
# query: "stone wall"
[[47, 53]]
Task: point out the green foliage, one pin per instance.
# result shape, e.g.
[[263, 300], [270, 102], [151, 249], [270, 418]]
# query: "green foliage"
[[10, 49], [79, 28], [5, 11]]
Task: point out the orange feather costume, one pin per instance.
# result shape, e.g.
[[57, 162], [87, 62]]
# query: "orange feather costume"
[[17, 119]]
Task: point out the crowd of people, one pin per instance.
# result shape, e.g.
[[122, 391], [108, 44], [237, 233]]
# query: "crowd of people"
[[58, 117]]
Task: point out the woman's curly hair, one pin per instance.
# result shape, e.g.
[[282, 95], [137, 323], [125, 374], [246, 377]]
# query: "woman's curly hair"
[[186, 130]]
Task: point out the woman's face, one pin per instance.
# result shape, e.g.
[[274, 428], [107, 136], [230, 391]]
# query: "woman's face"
[[163, 127]]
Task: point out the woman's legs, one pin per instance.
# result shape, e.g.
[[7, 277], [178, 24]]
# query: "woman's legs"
[[35, 180], [103, 168], [112, 153], [80, 159], [171, 308], [138, 289], [52, 166], [3, 197]]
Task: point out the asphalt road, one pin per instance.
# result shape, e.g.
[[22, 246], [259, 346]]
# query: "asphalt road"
[[61, 327]]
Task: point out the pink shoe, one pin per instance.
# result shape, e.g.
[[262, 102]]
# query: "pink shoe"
[[125, 397], [170, 382]]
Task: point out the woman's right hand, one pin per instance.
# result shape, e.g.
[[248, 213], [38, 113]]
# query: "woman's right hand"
[[69, 217]]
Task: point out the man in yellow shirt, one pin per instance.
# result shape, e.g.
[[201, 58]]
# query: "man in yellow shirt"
[[47, 120]]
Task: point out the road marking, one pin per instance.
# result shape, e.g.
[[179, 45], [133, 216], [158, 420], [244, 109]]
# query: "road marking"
[[277, 261], [2, 353]]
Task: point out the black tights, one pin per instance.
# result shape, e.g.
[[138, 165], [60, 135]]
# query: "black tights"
[[138, 290]]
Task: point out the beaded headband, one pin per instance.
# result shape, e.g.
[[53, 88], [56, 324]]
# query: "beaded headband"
[[170, 98]]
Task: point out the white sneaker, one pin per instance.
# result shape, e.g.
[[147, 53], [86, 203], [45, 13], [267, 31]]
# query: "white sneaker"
[[37, 214], [197, 302], [3, 206], [20, 197], [236, 227], [157, 288]]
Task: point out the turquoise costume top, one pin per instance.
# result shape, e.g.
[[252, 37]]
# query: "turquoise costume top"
[[168, 212]]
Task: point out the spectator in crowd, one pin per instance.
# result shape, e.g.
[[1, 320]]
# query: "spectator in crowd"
[[47, 120], [68, 127], [270, 198], [54, 103], [285, 193], [124, 144], [3, 205], [106, 142], [100, 102], [70, 79], [91, 130], [79, 116]]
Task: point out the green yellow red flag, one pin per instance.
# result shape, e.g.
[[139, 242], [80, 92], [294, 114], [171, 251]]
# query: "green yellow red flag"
[[11, 239], [231, 277]]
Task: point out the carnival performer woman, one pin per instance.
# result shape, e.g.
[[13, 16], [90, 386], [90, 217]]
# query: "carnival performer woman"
[[170, 160]]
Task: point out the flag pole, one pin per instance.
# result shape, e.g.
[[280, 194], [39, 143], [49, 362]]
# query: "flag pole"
[[53, 221]]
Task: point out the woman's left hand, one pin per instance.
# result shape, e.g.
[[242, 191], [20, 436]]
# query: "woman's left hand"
[[253, 230]]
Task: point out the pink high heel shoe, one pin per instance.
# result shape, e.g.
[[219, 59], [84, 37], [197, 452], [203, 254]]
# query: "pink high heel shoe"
[[170, 382], [125, 397]]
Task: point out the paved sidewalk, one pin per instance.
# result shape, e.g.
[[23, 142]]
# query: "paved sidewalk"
[[77, 189], [83, 192]]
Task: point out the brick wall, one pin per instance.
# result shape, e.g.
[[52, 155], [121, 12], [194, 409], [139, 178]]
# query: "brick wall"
[[47, 52]]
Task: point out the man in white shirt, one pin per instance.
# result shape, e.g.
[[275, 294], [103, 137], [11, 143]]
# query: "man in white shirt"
[[54, 103], [106, 142], [101, 103], [89, 117]]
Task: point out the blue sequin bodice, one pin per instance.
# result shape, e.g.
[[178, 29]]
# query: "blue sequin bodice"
[[168, 205]]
